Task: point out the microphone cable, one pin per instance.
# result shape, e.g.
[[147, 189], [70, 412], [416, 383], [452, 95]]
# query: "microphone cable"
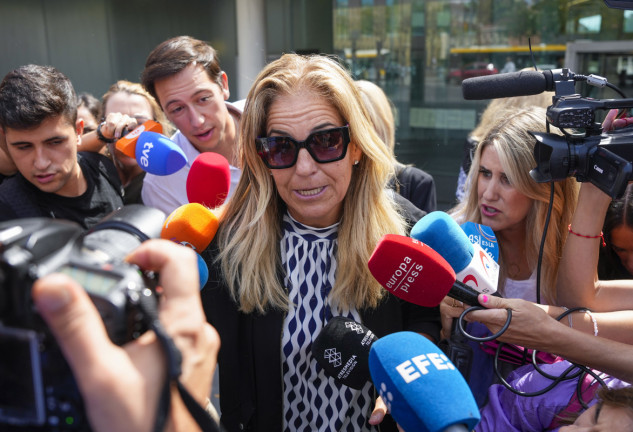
[[575, 370]]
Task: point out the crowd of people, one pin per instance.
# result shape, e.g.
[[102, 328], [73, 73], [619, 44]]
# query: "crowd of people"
[[315, 185]]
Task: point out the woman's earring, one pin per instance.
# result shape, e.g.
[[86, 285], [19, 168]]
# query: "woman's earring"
[[355, 162]]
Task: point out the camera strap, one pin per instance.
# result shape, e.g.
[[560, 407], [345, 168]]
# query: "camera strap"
[[147, 304]]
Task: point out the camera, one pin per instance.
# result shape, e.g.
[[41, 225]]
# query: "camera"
[[584, 151], [37, 389]]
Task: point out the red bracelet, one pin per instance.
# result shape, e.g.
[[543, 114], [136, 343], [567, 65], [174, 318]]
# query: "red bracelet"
[[600, 236]]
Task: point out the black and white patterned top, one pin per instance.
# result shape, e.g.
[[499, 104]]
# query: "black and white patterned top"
[[312, 400]]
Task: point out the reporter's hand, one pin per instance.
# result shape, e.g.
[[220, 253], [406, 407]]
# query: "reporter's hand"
[[530, 323], [449, 310], [121, 385]]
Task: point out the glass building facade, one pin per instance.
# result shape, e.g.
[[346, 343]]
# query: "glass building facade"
[[419, 51]]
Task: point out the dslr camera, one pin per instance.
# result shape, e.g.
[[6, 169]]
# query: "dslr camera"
[[584, 151], [37, 389]]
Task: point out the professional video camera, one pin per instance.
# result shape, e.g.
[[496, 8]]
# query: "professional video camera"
[[37, 389], [583, 151]]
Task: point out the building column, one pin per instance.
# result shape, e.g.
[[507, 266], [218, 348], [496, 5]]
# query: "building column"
[[251, 43]]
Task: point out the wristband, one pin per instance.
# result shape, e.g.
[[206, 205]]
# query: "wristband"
[[600, 236], [103, 138]]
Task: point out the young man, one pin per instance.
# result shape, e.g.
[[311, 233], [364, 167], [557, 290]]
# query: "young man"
[[38, 115], [184, 76]]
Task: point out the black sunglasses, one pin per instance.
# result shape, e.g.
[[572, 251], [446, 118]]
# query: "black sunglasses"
[[324, 146]]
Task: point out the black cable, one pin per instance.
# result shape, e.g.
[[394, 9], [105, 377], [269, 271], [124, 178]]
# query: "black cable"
[[542, 246]]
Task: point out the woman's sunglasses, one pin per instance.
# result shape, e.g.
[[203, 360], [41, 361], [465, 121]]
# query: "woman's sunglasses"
[[324, 146]]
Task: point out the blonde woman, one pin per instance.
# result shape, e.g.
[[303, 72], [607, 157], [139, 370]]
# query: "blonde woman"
[[503, 196], [292, 251]]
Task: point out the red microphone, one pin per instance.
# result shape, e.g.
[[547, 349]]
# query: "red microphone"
[[191, 225], [209, 180], [414, 272]]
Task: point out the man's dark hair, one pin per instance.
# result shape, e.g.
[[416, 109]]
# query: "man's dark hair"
[[31, 94], [174, 55]]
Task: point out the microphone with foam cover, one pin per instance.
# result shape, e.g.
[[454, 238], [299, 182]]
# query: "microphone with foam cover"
[[158, 155], [414, 272], [209, 180], [420, 386], [472, 265], [203, 271], [342, 350], [127, 144], [192, 225], [522, 83]]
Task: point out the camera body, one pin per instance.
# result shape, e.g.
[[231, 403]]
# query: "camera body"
[[37, 388], [584, 151]]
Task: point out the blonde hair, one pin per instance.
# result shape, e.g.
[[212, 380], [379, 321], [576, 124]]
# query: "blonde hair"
[[514, 145], [123, 86], [250, 231], [380, 111]]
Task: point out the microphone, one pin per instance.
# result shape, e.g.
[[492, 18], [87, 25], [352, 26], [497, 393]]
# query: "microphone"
[[420, 386], [209, 180], [415, 273], [472, 265], [158, 155], [522, 83], [192, 225], [484, 236], [203, 271], [127, 144], [342, 350]]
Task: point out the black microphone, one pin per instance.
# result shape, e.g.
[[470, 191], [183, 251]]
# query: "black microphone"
[[522, 83], [342, 350]]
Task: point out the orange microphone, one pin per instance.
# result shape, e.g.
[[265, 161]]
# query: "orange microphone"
[[192, 225], [127, 144]]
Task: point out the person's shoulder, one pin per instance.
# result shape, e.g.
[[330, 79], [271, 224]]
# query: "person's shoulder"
[[408, 210], [237, 107], [413, 175]]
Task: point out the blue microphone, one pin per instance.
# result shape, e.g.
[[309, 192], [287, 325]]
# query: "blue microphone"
[[472, 265], [484, 236], [157, 154], [420, 386], [203, 271]]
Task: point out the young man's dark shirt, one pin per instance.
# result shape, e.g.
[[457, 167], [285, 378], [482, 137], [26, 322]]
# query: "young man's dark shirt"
[[20, 199]]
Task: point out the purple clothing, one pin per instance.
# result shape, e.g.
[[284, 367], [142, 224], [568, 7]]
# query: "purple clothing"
[[510, 412]]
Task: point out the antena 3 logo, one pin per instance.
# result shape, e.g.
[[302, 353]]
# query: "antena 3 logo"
[[405, 275]]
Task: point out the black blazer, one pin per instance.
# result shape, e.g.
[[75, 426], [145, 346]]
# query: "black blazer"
[[251, 390]]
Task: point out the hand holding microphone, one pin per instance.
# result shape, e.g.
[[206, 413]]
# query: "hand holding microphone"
[[154, 152]]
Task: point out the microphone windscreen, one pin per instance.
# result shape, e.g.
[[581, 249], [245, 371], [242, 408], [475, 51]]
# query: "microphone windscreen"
[[158, 155], [438, 230], [203, 271], [209, 180], [484, 236], [411, 270], [191, 225], [342, 350], [127, 144], [522, 83], [421, 387]]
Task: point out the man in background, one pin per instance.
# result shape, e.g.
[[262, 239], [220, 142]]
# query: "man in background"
[[183, 74]]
